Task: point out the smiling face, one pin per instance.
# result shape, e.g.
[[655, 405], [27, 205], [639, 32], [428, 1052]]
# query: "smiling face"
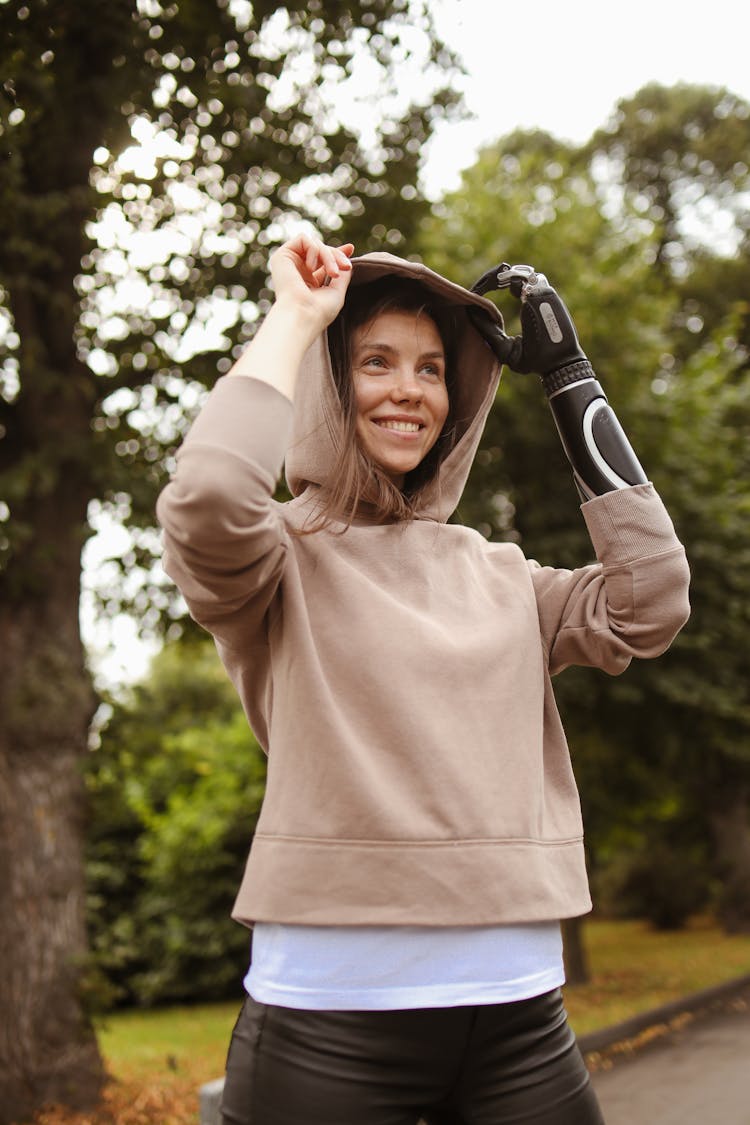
[[398, 372]]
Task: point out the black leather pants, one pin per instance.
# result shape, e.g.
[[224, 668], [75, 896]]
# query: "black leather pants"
[[486, 1065]]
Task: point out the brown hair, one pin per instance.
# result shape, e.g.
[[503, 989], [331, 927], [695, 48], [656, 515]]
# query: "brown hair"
[[355, 480]]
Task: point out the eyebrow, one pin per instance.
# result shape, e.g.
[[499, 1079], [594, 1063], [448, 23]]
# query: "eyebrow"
[[374, 346]]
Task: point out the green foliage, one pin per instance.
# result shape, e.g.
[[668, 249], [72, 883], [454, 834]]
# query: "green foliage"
[[175, 789], [703, 421], [663, 883], [681, 153]]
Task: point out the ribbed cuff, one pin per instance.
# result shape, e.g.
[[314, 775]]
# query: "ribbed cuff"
[[629, 524]]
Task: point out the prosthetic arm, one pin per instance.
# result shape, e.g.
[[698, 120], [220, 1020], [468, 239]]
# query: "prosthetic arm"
[[596, 446]]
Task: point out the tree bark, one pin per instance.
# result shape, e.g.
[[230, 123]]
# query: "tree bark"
[[574, 952], [730, 825], [48, 1050]]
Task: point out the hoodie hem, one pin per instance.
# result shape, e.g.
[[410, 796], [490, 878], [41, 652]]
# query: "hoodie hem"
[[299, 880]]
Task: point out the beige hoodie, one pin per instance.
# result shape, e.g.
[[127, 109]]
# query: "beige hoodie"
[[398, 675]]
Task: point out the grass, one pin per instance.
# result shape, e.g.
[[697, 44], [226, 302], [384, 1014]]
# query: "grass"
[[635, 968], [140, 1044], [160, 1058]]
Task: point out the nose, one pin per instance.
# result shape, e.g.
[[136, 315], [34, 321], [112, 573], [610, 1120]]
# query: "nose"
[[406, 387]]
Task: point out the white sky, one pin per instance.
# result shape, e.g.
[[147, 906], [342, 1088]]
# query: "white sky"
[[558, 65], [561, 65]]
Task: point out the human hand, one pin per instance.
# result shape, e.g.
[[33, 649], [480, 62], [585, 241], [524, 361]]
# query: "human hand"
[[312, 278]]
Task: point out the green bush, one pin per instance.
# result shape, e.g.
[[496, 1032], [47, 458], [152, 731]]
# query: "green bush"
[[661, 883], [175, 789]]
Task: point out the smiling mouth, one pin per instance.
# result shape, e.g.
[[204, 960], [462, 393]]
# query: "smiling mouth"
[[401, 427]]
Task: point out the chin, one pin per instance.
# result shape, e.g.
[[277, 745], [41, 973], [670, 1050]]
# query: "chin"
[[397, 473]]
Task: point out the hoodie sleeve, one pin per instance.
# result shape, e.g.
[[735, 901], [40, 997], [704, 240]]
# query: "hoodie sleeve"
[[225, 543], [633, 602]]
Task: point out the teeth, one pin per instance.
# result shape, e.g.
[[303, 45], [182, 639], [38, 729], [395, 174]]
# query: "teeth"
[[405, 427]]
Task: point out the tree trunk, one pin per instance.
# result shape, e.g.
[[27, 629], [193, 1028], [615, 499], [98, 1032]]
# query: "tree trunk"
[[48, 1050], [730, 824], [574, 952]]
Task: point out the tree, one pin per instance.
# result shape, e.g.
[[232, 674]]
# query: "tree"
[[699, 705], [235, 100], [680, 153]]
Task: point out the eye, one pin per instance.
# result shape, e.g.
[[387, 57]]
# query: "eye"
[[374, 361], [432, 369]]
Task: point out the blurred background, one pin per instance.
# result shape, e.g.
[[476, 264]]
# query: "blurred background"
[[152, 154]]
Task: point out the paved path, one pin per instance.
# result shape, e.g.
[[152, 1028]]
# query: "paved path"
[[696, 1075]]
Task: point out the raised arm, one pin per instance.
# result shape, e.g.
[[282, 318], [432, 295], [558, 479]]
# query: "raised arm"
[[634, 601], [310, 281], [600, 454], [224, 542]]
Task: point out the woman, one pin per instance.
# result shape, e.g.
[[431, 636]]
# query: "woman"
[[421, 836]]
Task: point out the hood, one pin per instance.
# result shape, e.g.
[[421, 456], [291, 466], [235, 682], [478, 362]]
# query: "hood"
[[310, 454]]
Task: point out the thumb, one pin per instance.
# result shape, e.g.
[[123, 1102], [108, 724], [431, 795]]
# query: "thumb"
[[503, 346]]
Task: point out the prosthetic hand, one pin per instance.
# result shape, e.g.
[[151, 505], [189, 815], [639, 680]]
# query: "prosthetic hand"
[[596, 446]]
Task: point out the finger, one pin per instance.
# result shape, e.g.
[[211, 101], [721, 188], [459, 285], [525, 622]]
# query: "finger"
[[342, 257], [318, 260], [314, 255], [301, 246], [336, 258], [333, 262], [341, 283], [325, 276]]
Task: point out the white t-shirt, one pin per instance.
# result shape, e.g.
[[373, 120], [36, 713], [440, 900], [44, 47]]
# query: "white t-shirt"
[[394, 967]]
